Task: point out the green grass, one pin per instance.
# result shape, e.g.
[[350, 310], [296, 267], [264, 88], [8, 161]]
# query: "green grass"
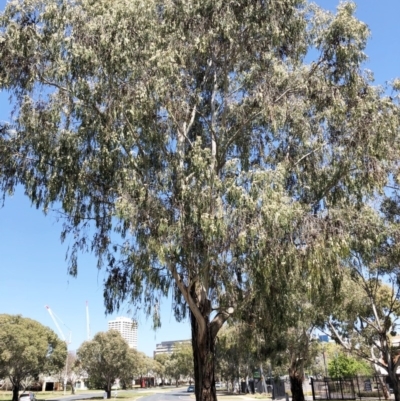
[[42, 395], [45, 395], [122, 395]]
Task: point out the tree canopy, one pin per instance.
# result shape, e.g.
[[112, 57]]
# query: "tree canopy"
[[203, 147], [342, 365], [27, 348], [365, 320], [105, 358]]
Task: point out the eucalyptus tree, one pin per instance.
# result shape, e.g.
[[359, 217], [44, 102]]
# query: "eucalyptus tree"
[[364, 323], [190, 146], [27, 348]]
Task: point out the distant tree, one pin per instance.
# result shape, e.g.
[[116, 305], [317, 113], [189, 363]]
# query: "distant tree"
[[106, 358], [345, 365], [144, 365], [27, 348], [182, 358], [235, 353], [72, 370], [128, 376], [162, 360]]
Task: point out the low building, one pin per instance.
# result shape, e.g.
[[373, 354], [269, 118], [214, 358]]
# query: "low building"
[[167, 347]]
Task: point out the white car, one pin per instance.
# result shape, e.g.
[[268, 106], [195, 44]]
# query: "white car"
[[27, 397]]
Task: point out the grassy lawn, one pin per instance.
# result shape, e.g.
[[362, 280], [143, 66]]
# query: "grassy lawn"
[[45, 395], [42, 395]]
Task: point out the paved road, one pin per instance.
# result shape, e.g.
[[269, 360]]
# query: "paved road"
[[80, 396], [173, 395]]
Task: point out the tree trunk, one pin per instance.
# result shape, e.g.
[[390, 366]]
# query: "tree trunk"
[[15, 391], [296, 385], [204, 360], [395, 383], [384, 388], [108, 391]]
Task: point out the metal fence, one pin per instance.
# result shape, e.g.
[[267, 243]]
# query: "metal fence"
[[350, 388], [333, 389]]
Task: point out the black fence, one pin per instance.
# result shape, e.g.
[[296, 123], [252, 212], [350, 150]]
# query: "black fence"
[[350, 388], [275, 387]]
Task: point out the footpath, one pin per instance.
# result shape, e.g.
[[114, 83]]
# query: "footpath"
[[253, 397]]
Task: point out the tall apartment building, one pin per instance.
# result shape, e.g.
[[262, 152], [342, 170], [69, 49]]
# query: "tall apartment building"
[[127, 328]]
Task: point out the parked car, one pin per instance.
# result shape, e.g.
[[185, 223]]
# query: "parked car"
[[190, 389], [27, 396]]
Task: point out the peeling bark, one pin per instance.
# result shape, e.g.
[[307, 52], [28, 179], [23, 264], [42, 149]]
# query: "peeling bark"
[[203, 343]]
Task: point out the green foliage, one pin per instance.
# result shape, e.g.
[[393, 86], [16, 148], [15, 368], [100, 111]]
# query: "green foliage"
[[343, 365], [237, 352], [204, 147], [106, 358], [364, 322], [182, 359], [190, 146], [27, 348], [177, 365]]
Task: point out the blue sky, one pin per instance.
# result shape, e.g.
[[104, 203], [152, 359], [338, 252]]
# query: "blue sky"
[[33, 270]]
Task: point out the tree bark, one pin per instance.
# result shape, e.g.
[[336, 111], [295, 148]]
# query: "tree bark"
[[296, 385], [384, 388], [203, 343], [395, 383], [15, 391], [108, 391]]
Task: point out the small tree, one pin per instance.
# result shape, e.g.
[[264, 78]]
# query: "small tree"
[[27, 349], [182, 358], [72, 370], [106, 358], [344, 365], [162, 361]]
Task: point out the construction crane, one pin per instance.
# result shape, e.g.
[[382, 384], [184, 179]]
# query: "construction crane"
[[87, 322], [67, 342]]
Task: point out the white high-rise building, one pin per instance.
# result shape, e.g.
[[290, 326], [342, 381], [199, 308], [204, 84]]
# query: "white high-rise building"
[[127, 328]]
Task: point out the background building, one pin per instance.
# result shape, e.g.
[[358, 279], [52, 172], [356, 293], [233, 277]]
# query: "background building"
[[127, 328], [167, 347]]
